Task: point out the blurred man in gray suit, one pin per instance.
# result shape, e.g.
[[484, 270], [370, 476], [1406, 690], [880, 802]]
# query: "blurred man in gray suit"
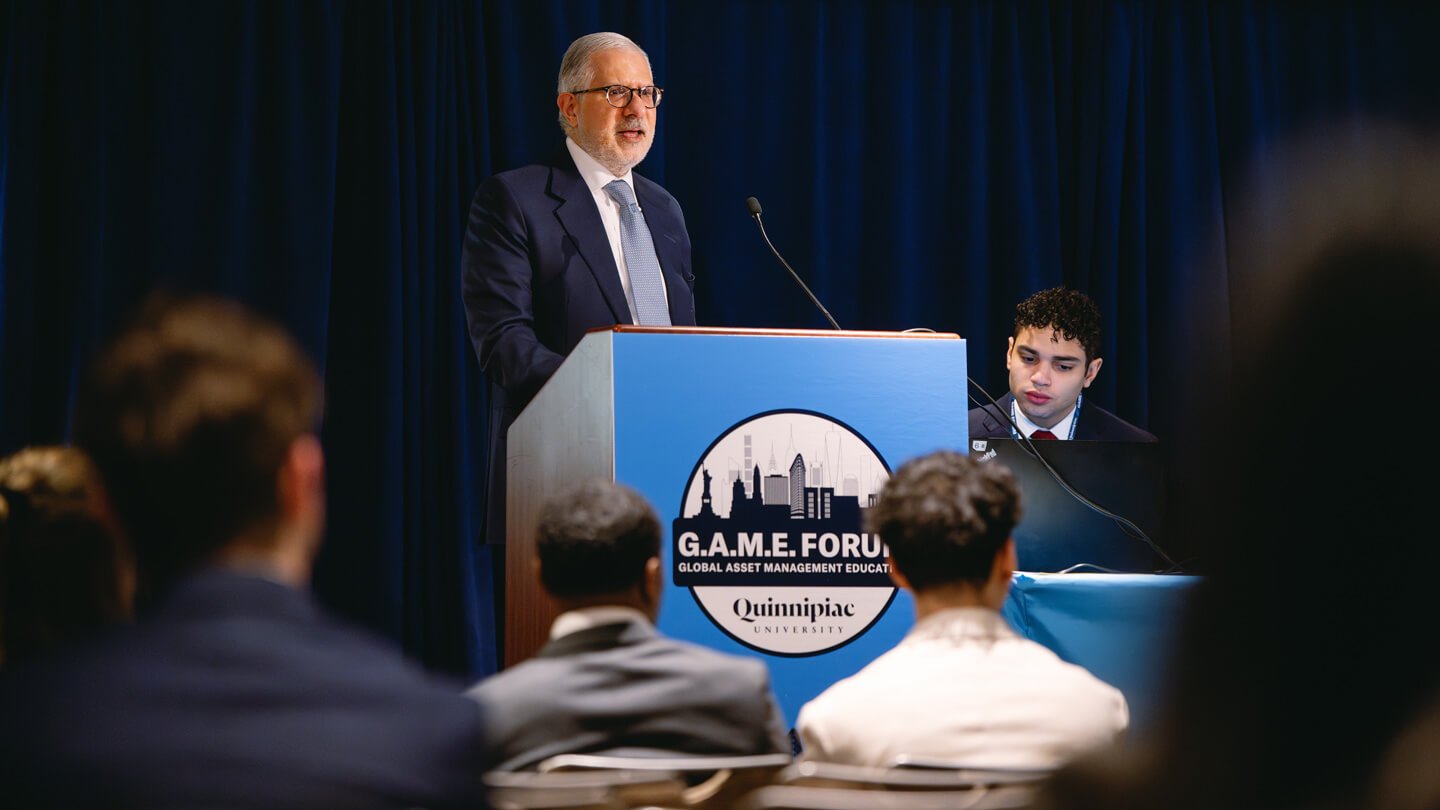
[[607, 679]]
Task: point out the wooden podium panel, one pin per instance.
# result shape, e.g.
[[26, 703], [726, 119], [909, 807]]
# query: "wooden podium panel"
[[567, 433]]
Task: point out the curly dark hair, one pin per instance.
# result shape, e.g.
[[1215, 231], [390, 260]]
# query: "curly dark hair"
[[595, 539], [1071, 313], [945, 517]]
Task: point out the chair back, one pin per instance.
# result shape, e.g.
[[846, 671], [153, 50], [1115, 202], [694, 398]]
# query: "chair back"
[[909, 777], [715, 781], [584, 790], [989, 775], [790, 797]]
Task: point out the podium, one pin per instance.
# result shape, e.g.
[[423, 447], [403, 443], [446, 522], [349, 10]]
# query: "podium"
[[761, 451]]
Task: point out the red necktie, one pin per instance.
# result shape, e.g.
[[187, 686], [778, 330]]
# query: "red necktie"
[[1042, 436]]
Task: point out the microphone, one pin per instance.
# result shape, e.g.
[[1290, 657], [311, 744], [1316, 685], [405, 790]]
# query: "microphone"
[[754, 206]]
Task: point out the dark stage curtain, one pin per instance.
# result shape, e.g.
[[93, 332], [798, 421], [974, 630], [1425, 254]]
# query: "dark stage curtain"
[[921, 163]]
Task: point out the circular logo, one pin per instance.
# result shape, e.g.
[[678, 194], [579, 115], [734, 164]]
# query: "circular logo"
[[770, 539]]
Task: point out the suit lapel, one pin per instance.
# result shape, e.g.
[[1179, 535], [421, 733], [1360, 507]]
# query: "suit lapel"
[[1090, 425], [995, 422], [668, 234], [578, 216]]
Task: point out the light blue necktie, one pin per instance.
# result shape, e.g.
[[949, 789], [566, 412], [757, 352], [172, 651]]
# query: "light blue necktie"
[[645, 282]]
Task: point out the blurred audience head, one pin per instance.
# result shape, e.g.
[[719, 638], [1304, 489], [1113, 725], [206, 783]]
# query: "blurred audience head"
[[947, 521], [599, 543], [53, 476], [199, 417], [1406, 778], [64, 572], [1305, 650]]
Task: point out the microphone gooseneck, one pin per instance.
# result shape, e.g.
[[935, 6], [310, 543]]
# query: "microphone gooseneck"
[[754, 207]]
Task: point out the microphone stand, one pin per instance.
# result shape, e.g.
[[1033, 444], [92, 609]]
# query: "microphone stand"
[[754, 206]]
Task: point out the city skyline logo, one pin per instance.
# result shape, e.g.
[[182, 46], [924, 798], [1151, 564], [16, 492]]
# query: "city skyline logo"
[[770, 539]]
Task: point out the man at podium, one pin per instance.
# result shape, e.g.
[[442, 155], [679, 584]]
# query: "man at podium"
[[556, 249]]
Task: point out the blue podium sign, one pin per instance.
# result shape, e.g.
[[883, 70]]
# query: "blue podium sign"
[[762, 451]]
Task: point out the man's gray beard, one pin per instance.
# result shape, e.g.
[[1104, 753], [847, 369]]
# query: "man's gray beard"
[[611, 158]]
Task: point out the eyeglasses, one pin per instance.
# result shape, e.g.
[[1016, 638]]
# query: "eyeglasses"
[[618, 95]]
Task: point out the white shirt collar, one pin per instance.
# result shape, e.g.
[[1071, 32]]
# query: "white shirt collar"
[[962, 622], [573, 621], [1061, 429], [595, 175]]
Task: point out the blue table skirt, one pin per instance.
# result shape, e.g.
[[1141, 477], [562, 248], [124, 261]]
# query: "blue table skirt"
[[1121, 627]]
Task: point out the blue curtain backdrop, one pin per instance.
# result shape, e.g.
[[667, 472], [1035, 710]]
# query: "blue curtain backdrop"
[[921, 163]]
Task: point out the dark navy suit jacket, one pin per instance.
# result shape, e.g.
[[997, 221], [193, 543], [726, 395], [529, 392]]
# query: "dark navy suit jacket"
[[237, 692], [538, 273], [1096, 424]]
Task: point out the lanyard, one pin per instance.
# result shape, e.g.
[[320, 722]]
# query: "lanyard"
[[1015, 417]]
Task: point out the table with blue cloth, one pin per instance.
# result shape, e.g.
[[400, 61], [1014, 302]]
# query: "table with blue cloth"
[[1121, 627]]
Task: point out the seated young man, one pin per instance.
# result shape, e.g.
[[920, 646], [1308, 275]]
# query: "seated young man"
[[961, 687], [1052, 358], [607, 679]]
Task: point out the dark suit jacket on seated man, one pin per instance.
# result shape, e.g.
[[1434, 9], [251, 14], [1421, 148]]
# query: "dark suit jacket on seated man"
[[546, 256], [1052, 357], [607, 680], [233, 689]]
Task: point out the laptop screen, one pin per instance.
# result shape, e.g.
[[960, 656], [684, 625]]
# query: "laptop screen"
[[1056, 531]]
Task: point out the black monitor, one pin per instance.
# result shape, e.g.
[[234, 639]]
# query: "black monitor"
[[1056, 531]]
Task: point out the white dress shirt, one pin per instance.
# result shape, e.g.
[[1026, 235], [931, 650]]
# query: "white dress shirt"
[[964, 688], [1061, 429], [573, 621], [596, 178]]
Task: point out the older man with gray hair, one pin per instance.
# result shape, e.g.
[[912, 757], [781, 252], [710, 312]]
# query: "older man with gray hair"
[[556, 249]]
